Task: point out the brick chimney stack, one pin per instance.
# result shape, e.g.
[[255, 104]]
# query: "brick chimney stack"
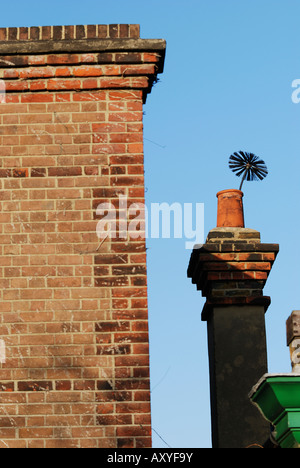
[[231, 270], [74, 354]]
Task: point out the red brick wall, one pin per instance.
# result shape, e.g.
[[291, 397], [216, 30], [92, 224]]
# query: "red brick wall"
[[74, 316]]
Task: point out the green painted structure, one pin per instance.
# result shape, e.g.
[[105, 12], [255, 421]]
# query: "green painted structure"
[[277, 396]]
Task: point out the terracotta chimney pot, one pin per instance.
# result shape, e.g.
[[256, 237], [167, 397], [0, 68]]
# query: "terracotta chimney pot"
[[230, 208]]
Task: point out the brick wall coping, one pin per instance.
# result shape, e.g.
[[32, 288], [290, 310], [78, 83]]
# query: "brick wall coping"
[[82, 45], [198, 255], [56, 33], [91, 38]]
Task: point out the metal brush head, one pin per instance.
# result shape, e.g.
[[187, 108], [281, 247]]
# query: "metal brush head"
[[247, 165]]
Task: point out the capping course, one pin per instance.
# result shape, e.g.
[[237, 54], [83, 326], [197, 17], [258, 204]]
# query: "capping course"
[[47, 33], [232, 267], [52, 58]]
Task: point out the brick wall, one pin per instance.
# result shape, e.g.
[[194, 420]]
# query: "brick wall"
[[74, 316]]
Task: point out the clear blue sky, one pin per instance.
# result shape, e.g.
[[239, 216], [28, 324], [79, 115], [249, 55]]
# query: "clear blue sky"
[[226, 86]]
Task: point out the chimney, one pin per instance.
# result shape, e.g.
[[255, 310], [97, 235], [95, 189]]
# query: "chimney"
[[231, 270], [293, 339], [74, 349]]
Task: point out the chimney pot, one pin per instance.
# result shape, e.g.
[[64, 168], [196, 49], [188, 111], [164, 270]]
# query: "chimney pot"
[[230, 208]]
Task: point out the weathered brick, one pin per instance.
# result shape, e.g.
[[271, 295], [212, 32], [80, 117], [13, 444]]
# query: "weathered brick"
[[75, 318], [232, 272]]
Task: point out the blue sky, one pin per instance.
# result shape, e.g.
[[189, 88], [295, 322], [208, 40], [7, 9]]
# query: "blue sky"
[[227, 86]]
